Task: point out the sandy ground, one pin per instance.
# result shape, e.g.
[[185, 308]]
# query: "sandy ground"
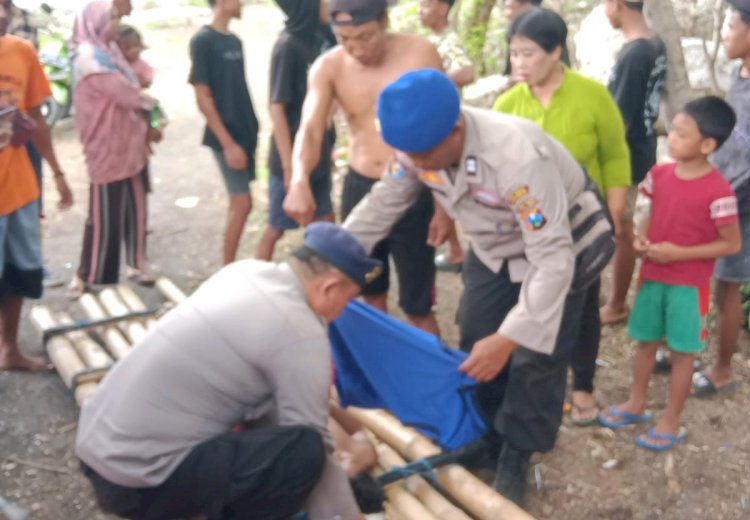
[[707, 477]]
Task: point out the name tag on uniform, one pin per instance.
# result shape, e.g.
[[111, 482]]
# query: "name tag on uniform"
[[487, 198], [471, 166]]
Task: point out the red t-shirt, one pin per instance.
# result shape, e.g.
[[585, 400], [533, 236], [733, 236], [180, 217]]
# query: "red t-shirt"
[[686, 213]]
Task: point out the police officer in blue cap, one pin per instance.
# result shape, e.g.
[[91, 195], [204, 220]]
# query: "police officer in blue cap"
[[250, 345], [538, 235]]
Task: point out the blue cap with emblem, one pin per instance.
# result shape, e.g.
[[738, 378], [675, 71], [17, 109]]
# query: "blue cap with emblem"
[[418, 110], [339, 248]]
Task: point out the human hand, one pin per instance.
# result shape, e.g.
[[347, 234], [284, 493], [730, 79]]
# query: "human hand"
[[440, 227], [488, 357], [663, 252], [154, 135], [287, 178], [640, 245], [235, 157], [299, 203], [63, 190]]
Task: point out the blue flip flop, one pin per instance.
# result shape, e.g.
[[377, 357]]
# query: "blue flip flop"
[[651, 435], [626, 418]]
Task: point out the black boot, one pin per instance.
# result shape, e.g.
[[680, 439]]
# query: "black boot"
[[510, 476]]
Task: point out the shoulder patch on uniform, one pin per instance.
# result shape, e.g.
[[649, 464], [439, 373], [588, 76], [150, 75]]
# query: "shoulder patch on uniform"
[[534, 219], [396, 170]]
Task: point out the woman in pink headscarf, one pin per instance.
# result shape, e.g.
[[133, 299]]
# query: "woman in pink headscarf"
[[111, 114]]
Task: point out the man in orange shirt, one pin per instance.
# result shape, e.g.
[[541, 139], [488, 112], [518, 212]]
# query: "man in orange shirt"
[[23, 88]]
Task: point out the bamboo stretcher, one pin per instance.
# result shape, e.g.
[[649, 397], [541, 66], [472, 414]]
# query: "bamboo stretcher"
[[81, 361]]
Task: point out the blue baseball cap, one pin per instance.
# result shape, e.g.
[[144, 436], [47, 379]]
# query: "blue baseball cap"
[[339, 248], [418, 110]]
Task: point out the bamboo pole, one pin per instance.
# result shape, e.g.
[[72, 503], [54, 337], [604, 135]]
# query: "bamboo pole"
[[407, 441], [406, 503], [64, 356], [134, 302], [114, 340], [475, 496], [440, 506], [170, 291], [114, 306], [92, 354]]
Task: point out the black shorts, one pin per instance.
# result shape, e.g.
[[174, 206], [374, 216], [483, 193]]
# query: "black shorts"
[[253, 475], [407, 242]]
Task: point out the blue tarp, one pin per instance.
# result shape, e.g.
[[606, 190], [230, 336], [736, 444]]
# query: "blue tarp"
[[384, 363]]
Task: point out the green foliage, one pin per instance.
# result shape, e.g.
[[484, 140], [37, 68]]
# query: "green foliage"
[[745, 295], [404, 18], [482, 26]]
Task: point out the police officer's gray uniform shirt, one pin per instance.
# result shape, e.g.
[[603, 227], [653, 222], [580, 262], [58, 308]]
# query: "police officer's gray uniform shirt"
[[511, 193], [244, 346]]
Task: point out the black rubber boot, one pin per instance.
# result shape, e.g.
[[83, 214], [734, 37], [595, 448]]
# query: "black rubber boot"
[[510, 476]]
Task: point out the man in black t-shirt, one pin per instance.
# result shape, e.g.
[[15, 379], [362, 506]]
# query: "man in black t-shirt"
[[636, 84], [297, 47], [218, 75]]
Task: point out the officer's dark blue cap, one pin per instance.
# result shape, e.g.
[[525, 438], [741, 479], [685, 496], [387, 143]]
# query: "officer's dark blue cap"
[[339, 248], [418, 110]]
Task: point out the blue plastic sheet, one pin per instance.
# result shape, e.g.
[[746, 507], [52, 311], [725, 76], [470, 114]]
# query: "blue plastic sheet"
[[381, 362]]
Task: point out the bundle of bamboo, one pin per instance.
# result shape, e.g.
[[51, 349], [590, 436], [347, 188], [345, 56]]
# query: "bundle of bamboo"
[[82, 362]]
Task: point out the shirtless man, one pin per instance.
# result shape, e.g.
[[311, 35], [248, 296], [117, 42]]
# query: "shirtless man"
[[352, 75]]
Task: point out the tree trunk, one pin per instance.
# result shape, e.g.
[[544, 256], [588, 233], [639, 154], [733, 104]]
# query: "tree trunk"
[[664, 22], [475, 21]]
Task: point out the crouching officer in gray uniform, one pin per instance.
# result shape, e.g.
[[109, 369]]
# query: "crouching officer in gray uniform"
[[251, 344], [538, 234]]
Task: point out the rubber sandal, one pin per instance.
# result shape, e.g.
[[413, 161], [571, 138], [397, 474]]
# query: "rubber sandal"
[[141, 278], [443, 264], [704, 388], [651, 436], [581, 410], [626, 418]]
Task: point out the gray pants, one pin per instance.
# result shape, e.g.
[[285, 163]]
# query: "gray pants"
[[524, 402]]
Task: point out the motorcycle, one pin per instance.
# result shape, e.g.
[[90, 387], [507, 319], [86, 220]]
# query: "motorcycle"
[[55, 59]]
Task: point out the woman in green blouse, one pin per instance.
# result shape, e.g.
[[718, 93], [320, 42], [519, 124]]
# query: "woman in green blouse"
[[581, 114]]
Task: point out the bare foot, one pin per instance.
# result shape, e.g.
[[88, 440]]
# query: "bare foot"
[[720, 378], [14, 360], [610, 315]]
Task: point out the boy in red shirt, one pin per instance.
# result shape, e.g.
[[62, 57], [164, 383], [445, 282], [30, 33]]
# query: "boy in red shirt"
[[689, 220]]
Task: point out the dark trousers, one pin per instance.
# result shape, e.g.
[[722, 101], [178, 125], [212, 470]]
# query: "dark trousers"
[[583, 358], [407, 243], [117, 214], [253, 475], [524, 402]]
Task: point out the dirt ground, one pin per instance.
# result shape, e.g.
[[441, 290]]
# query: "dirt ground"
[[706, 477]]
